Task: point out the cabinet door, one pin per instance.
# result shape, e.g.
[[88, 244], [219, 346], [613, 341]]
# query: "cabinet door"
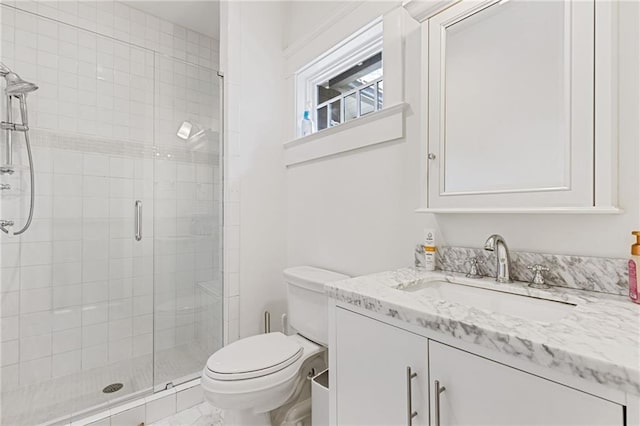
[[483, 392], [511, 101], [372, 360]]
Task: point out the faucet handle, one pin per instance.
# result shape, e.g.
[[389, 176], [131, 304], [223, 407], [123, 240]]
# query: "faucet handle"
[[473, 268], [538, 277]]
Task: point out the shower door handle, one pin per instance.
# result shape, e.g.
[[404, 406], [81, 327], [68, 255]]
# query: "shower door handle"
[[138, 220]]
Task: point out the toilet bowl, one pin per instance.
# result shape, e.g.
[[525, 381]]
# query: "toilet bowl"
[[253, 376], [257, 374]]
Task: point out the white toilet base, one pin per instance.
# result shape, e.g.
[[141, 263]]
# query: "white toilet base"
[[246, 418]]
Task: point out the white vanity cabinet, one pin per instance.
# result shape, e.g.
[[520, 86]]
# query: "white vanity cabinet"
[[371, 377], [478, 391], [371, 358]]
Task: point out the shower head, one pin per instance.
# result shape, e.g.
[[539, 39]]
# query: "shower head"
[[18, 86]]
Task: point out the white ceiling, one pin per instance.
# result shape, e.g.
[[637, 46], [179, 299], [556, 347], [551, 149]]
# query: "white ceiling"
[[202, 16]]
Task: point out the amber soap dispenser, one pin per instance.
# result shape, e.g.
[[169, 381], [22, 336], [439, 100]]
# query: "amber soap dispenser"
[[633, 269]]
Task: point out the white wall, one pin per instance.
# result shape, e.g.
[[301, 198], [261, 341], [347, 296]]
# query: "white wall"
[[301, 13], [254, 213], [354, 212]]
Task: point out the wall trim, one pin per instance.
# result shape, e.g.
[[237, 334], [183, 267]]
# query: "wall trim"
[[374, 128], [421, 10]]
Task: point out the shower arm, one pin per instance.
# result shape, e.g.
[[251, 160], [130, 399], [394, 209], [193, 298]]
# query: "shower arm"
[[9, 145], [4, 70], [4, 225], [15, 127], [23, 110]]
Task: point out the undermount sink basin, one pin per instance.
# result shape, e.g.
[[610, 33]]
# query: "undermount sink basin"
[[531, 308]]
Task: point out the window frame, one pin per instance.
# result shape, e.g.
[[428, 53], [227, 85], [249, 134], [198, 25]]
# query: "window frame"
[[356, 48], [341, 97]]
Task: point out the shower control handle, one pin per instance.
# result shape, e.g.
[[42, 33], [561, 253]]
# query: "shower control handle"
[[6, 223], [138, 220]]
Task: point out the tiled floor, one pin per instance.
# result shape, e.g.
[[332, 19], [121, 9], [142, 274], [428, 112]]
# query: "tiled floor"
[[64, 396], [200, 415]]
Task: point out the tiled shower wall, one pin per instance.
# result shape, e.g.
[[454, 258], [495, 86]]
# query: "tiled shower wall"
[[77, 290]]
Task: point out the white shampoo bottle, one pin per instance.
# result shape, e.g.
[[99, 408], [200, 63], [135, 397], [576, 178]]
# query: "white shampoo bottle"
[[429, 248]]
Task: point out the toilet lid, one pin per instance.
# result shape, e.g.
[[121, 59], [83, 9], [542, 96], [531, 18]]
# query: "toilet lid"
[[254, 357]]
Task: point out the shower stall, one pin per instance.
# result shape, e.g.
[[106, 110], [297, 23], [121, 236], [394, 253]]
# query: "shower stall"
[[112, 170]]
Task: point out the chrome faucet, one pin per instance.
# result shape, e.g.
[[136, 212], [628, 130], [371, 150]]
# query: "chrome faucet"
[[503, 262]]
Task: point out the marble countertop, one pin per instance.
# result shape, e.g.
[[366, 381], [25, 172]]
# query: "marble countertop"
[[598, 340]]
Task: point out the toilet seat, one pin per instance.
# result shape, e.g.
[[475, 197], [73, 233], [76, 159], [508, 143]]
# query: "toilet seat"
[[254, 357]]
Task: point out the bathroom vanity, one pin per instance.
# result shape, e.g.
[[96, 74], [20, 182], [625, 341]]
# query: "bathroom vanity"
[[417, 347]]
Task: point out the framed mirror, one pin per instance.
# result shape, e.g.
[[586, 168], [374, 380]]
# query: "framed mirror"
[[511, 105]]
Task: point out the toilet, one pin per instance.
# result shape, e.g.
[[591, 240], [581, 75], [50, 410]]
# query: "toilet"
[[253, 376]]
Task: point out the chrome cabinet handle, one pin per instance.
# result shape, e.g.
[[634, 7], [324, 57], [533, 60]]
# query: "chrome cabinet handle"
[[437, 390], [138, 221], [410, 413]]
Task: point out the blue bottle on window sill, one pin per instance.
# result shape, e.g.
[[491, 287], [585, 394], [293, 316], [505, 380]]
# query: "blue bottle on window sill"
[[306, 126]]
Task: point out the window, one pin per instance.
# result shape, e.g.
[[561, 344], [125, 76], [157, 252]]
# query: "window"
[[343, 88], [350, 94], [344, 83]]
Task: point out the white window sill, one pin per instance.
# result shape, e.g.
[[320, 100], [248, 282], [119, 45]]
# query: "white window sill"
[[374, 128]]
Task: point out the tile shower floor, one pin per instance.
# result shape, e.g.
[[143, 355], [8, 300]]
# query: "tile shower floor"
[[60, 397]]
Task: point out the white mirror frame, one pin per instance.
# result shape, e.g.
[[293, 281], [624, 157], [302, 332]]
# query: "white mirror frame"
[[605, 111]]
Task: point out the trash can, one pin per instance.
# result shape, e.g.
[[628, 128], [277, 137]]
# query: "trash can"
[[320, 399]]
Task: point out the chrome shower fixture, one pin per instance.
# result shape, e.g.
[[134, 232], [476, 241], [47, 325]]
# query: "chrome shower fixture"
[[16, 88]]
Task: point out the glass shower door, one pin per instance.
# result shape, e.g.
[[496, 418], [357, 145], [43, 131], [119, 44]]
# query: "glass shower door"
[[116, 289], [187, 217], [77, 287], [117, 269]]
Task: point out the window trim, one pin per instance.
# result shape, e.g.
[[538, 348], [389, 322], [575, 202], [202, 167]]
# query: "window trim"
[[361, 45], [375, 128]]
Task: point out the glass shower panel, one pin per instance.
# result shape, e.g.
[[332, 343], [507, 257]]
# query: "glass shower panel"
[[187, 238], [119, 175], [77, 288]]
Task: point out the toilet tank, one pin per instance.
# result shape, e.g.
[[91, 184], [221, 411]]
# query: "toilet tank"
[[307, 301]]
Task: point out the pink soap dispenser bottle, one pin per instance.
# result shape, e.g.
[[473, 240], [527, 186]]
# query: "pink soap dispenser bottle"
[[633, 269]]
